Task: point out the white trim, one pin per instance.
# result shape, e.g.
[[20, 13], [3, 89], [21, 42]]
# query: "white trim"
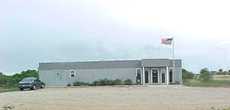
[[167, 75], [143, 78]]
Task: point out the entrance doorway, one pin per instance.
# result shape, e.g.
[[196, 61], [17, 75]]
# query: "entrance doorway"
[[146, 77], [170, 76], [163, 77], [154, 76]]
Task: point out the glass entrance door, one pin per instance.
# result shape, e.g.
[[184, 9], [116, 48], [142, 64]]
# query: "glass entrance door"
[[146, 77], [163, 77], [154, 76]]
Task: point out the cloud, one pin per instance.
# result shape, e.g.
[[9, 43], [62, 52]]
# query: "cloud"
[[59, 30]]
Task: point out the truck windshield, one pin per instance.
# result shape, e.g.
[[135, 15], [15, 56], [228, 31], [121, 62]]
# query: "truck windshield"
[[28, 79]]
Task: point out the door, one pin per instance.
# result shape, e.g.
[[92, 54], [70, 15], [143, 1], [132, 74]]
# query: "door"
[[146, 77], [171, 76], [154, 76], [163, 77]]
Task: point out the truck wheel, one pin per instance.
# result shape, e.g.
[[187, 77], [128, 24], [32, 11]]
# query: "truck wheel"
[[42, 86], [34, 87], [21, 89]]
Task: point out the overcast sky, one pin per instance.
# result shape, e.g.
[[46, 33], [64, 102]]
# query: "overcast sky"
[[34, 31]]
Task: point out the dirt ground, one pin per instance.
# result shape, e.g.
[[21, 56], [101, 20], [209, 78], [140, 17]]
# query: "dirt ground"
[[118, 98]]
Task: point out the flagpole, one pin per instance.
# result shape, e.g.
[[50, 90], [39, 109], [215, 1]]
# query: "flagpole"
[[173, 57], [171, 42], [173, 49]]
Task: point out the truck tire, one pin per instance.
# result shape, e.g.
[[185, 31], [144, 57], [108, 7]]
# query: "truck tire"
[[33, 87]]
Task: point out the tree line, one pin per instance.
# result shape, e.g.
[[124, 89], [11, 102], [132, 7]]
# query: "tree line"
[[221, 72], [12, 80], [204, 75]]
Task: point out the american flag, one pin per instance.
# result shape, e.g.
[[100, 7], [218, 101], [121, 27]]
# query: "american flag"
[[166, 41]]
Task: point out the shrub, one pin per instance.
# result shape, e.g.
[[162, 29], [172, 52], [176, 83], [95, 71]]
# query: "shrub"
[[186, 74], [102, 82], [117, 82], [78, 83], [95, 83], [128, 82], [68, 85], [108, 82], [204, 75]]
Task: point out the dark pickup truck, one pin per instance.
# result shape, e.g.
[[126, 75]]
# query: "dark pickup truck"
[[30, 83]]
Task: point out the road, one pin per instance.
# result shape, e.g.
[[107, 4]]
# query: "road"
[[118, 98]]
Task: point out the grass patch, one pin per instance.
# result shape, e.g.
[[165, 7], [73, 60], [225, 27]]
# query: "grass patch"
[[213, 108], [7, 89], [221, 77], [210, 83]]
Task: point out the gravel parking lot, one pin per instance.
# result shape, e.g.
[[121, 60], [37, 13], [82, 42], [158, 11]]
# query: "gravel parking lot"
[[118, 98]]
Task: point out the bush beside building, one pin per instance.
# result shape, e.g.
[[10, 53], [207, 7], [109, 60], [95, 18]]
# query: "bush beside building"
[[104, 82]]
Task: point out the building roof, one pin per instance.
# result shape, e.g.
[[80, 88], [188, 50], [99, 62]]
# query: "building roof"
[[109, 64], [91, 65], [161, 62]]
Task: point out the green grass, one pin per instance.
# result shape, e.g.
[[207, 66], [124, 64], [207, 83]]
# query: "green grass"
[[213, 108], [221, 77], [8, 89], [210, 83]]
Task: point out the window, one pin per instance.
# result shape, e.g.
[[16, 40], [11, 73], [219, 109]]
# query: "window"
[[72, 74]]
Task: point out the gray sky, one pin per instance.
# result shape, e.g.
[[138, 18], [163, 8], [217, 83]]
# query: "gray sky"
[[34, 31]]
